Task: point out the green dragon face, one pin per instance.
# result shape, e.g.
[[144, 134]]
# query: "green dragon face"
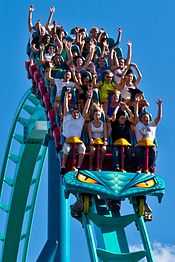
[[114, 185]]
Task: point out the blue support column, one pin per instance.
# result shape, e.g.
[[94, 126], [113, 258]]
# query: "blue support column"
[[57, 247], [90, 239], [145, 238]]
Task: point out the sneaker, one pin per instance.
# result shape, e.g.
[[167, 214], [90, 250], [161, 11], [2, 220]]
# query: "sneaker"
[[147, 215], [74, 169], [152, 169], [114, 206], [63, 171], [139, 170], [77, 208]]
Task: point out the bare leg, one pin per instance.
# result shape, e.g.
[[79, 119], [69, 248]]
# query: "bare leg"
[[80, 160], [105, 108], [103, 150], [81, 153], [66, 150], [92, 151], [64, 160]]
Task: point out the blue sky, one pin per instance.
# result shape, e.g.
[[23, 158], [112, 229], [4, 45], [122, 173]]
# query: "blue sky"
[[150, 26]]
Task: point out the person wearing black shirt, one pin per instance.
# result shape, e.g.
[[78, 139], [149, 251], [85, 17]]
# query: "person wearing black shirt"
[[121, 128]]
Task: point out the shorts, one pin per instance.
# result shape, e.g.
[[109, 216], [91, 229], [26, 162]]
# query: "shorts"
[[67, 147]]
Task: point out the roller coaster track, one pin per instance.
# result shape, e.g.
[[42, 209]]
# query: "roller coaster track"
[[20, 183]]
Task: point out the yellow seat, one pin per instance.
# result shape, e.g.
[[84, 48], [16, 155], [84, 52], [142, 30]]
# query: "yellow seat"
[[145, 142], [122, 142], [74, 140], [98, 141]]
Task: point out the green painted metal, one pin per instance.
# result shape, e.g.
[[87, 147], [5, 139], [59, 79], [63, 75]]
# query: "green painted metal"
[[127, 257], [32, 206], [110, 236], [110, 223], [25, 161], [18, 138], [29, 109], [115, 245], [4, 207], [9, 181], [14, 158], [34, 100], [57, 246], [26, 96], [90, 238], [145, 239], [18, 202], [2, 237]]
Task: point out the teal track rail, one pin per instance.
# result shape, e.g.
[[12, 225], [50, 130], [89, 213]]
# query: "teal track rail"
[[11, 134], [23, 181], [106, 236]]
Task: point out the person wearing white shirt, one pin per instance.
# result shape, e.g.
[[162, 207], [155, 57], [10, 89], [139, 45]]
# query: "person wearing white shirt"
[[146, 129], [72, 127]]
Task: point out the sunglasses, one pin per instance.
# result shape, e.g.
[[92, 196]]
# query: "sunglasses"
[[109, 77]]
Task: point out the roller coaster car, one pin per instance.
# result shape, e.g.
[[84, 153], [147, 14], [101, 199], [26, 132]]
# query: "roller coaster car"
[[32, 69], [114, 185]]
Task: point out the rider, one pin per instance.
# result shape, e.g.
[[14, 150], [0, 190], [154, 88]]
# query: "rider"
[[72, 127], [121, 128], [97, 132], [146, 129]]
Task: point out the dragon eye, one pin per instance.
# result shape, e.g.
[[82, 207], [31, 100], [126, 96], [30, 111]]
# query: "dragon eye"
[[146, 184], [86, 179]]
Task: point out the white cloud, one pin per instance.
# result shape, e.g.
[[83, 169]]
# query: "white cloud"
[[162, 252]]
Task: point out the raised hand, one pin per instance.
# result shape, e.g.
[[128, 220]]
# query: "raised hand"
[[72, 68], [123, 106], [52, 9], [90, 94], [91, 141], [31, 8], [120, 30], [159, 102], [42, 47], [129, 43], [92, 45], [134, 65]]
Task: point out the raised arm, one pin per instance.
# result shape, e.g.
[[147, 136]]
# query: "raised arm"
[[87, 104], [68, 46], [76, 80], [159, 111], [89, 131], [126, 108], [119, 38], [136, 111], [111, 58], [42, 50], [65, 106], [105, 49], [90, 56], [139, 74], [105, 134], [59, 44], [129, 55], [77, 35], [115, 113], [30, 25], [52, 11]]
